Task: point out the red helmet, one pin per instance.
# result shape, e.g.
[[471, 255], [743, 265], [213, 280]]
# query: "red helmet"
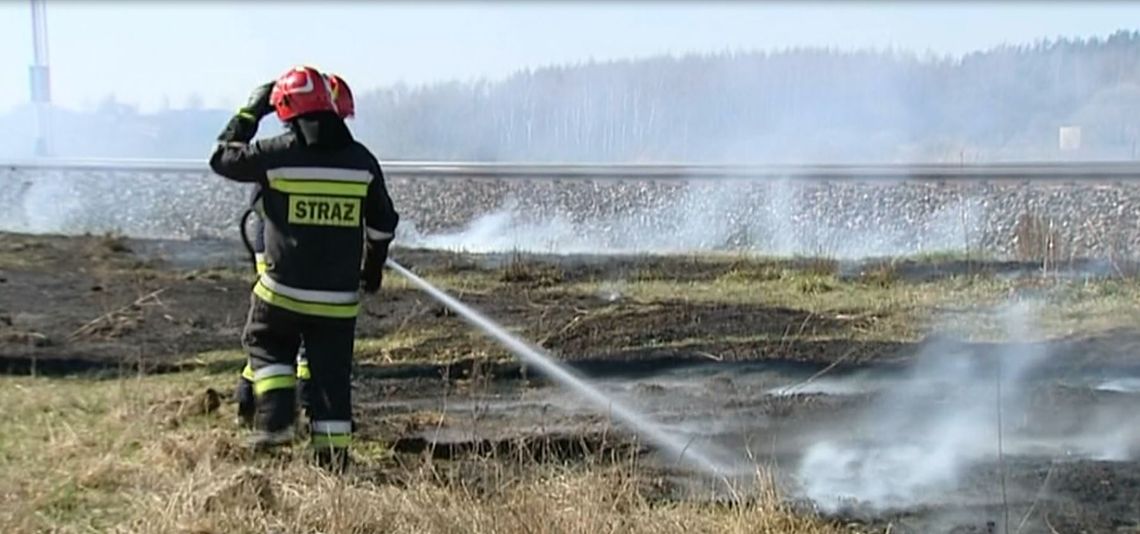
[[342, 97], [299, 91]]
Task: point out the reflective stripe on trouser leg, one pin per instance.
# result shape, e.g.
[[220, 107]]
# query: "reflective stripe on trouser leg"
[[272, 337], [328, 347], [271, 377], [331, 434], [304, 376], [303, 372]]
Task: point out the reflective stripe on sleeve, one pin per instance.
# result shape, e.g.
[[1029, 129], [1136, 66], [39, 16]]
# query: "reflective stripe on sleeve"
[[377, 235]]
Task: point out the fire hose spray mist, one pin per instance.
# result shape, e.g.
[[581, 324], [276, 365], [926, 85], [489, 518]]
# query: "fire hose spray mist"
[[675, 447]]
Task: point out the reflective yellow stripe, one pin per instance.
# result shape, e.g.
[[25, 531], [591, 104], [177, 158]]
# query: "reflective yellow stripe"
[[331, 427], [334, 174], [377, 235], [336, 441], [262, 266], [302, 371], [246, 115], [319, 187], [311, 295], [339, 311], [260, 387]]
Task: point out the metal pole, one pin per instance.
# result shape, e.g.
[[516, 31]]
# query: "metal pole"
[[40, 79]]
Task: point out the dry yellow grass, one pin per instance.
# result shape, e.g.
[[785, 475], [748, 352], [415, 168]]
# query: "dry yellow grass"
[[153, 455], [905, 309]]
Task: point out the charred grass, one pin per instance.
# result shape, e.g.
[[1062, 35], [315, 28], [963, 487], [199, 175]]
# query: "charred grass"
[[109, 301], [162, 454]]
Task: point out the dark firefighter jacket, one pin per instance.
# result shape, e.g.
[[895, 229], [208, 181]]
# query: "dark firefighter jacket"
[[324, 207]]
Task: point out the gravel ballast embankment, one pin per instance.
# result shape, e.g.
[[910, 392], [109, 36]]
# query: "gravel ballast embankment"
[[1024, 220]]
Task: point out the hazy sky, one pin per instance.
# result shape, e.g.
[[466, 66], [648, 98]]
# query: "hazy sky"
[[144, 52]]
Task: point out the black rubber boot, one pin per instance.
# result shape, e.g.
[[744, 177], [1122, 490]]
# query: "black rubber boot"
[[246, 403], [263, 441], [304, 400], [335, 460]]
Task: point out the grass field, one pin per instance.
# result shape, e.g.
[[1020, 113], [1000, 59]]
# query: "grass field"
[[157, 454], [103, 447]]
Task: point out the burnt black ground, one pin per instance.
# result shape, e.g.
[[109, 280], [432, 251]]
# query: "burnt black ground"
[[767, 415], [105, 307]]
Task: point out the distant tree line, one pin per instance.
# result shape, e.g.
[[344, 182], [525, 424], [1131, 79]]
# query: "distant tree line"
[[818, 105]]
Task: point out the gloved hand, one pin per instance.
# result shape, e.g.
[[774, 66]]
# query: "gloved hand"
[[372, 272], [371, 282], [258, 104]]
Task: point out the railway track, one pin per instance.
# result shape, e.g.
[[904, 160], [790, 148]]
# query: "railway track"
[[1052, 210], [1062, 171]]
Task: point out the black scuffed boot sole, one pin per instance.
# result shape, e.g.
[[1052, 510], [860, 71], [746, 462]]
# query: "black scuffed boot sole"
[[265, 441]]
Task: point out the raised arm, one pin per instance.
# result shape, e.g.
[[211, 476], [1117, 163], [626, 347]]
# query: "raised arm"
[[234, 157]]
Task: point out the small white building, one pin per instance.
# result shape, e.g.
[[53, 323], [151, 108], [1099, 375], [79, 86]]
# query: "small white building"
[[1069, 138]]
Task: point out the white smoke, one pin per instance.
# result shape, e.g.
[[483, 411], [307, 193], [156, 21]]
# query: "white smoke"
[[139, 205], [44, 205], [777, 218], [1121, 385], [921, 434], [1112, 436]]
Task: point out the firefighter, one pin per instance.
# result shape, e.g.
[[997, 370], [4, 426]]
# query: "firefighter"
[[346, 109], [328, 225], [345, 104]]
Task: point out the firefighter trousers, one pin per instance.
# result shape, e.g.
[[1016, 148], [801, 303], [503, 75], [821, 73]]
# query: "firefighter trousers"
[[243, 393], [272, 338]]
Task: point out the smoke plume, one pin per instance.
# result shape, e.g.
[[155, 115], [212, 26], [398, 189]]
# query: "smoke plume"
[[785, 217], [917, 439]]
